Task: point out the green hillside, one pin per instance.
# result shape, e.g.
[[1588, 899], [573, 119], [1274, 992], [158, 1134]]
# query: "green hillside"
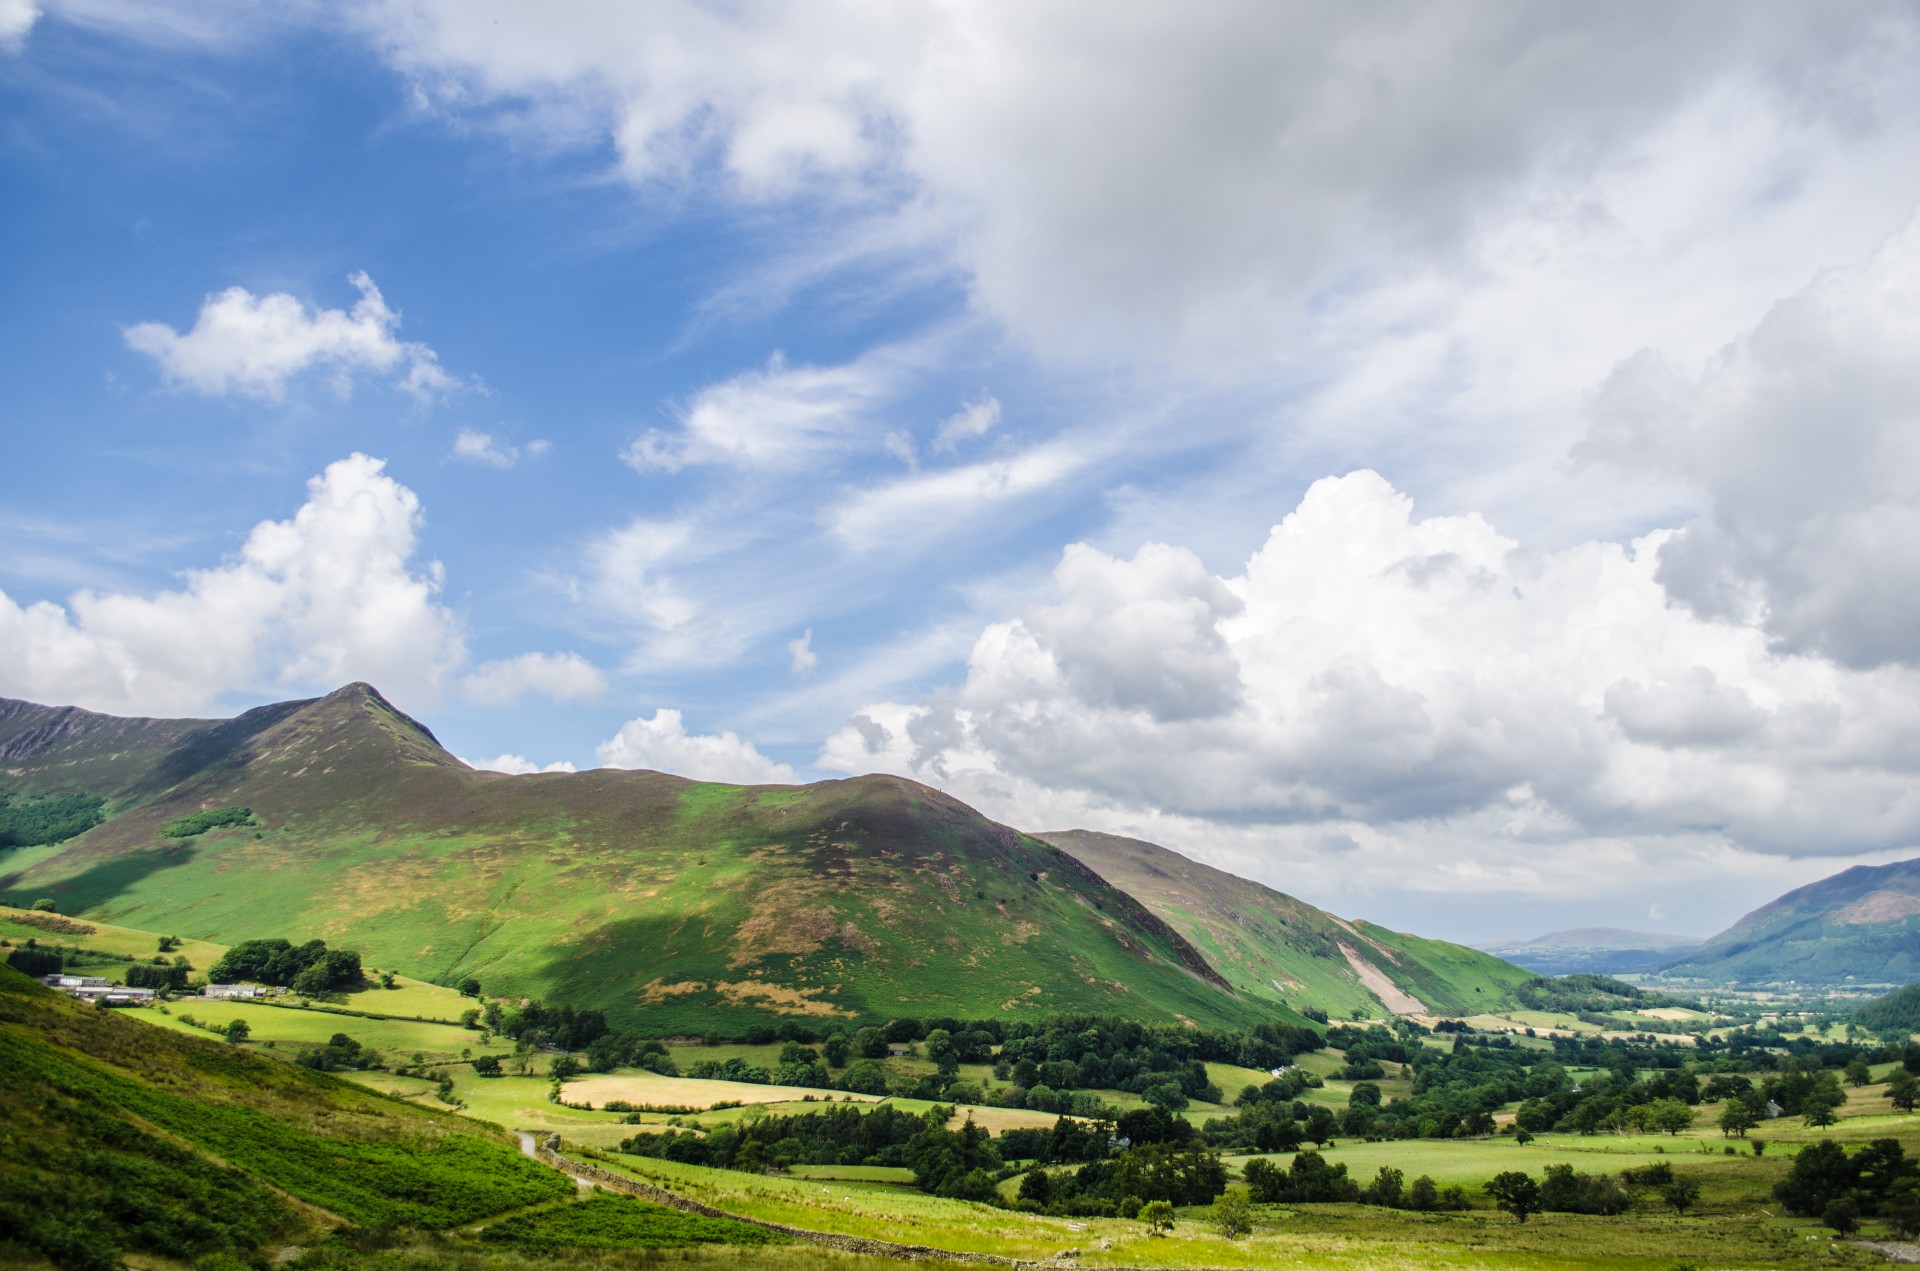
[[1267, 943], [1860, 926], [1897, 1012], [676, 906], [123, 1138]]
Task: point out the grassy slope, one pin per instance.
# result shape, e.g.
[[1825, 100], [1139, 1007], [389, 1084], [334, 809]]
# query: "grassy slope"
[[676, 906], [1269, 944], [143, 1140], [1861, 925]]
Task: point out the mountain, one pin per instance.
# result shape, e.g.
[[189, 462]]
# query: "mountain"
[[1860, 926], [676, 906], [1595, 951], [1266, 942]]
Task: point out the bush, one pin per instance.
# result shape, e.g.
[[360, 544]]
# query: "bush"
[[198, 823]]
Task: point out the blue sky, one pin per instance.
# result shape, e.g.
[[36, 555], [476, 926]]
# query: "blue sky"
[[1454, 464]]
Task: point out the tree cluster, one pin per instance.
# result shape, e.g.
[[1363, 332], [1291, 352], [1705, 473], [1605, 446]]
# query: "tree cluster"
[[309, 968]]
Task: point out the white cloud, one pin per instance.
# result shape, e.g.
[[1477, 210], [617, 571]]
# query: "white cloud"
[[1805, 434], [975, 419], [925, 505], [1475, 713], [483, 448], [328, 596], [564, 677], [775, 417], [800, 651], [1160, 176], [663, 744], [16, 19], [252, 345], [516, 765]]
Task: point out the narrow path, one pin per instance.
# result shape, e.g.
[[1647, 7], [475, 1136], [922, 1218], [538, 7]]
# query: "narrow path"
[[531, 1150]]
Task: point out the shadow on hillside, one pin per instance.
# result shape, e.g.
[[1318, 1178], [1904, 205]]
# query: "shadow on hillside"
[[224, 744], [101, 883]]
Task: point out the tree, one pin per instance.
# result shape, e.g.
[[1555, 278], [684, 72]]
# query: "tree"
[[1036, 1186], [1514, 1192], [238, 1031], [1901, 1208], [564, 1068], [1817, 1109], [1385, 1190], [487, 1066], [1158, 1215], [1842, 1214], [1233, 1214], [864, 1077], [835, 1049], [1736, 1119], [1670, 1115], [469, 987], [1266, 1182], [45, 905], [940, 1046], [1681, 1193], [1903, 1090], [1858, 1074], [1423, 1195]]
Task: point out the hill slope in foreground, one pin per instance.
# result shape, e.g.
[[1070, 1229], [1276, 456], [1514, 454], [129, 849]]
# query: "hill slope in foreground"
[[674, 905], [125, 1138], [1861, 925], [1268, 943]]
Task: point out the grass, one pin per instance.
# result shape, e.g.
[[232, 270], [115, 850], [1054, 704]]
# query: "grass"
[[620, 1222], [397, 1040], [1731, 1231], [122, 1137]]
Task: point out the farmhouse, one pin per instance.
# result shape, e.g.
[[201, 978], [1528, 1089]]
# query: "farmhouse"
[[234, 990], [61, 980]]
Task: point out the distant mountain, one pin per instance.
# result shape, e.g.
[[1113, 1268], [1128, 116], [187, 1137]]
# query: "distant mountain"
[[1266, 942], [1860, 926], [677, 906], [1595, 951]]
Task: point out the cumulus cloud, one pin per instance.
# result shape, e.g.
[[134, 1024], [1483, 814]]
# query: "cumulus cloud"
[[483, 448], [1805, 434], [1472, 712], [516, 765], [564, 677], [328, 596], [253, 345], [663, 744]]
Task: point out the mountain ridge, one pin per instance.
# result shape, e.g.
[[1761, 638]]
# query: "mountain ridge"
[[1259, 936], [1861, 925], [670, 903]]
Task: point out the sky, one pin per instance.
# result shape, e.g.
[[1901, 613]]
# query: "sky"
[[1457, 463]]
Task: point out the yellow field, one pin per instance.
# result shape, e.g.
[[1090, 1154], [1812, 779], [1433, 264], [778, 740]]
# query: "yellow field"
[[688, 1092]]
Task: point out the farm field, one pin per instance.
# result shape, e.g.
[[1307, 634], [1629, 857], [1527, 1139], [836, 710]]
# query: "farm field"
[[1338, 1235], [640, 1088], [397, 1040]]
